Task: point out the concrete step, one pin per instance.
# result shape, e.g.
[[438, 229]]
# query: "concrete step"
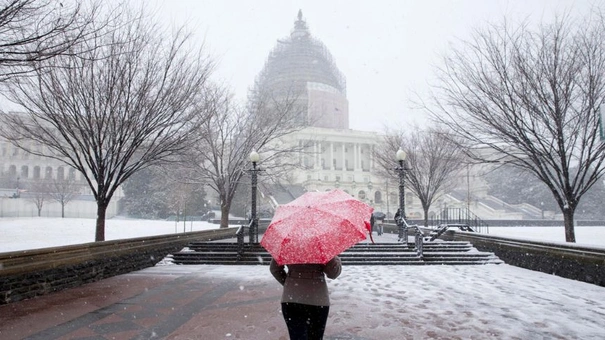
[[216, 246], [443, 253]]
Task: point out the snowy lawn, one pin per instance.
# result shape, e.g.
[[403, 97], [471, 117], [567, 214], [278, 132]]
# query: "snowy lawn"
[[588, 236], [41, 232]]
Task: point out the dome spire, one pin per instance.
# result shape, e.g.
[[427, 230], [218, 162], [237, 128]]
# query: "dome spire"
[[300, 27]]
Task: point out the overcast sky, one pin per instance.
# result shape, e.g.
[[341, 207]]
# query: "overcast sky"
[[387, 50]]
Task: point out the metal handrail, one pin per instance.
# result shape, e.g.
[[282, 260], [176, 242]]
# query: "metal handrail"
[[418, 236], [461, 215], [240, 240], [402, 226], [419, 242]]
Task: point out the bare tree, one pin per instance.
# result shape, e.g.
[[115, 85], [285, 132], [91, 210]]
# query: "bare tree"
[[36, 30], [232, 133], [178, 194], [529, 98], [63, 191], [38, 194], [184, 196], [123, 102], [433, 162]]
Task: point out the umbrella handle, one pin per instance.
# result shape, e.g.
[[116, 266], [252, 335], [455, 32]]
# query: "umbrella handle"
[[371, 238]]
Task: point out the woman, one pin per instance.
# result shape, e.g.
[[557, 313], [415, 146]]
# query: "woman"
[[305, 300]]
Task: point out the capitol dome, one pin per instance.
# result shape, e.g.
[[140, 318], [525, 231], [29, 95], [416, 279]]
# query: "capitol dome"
[[303, 65]]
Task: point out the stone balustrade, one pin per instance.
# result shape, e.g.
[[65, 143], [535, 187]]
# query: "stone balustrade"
[[569, 260], [29, 273]]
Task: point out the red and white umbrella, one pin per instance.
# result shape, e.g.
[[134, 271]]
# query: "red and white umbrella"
[[316, 227]]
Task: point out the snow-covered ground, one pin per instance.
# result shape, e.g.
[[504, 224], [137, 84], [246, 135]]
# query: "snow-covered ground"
[[439, 302], [41, 232], [590, 236]]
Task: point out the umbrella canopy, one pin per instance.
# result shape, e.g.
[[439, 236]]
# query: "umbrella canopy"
[[316, 227], [379, 215]]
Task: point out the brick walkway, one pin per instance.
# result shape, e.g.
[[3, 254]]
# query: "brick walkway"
[[242, 302], [163, 302]]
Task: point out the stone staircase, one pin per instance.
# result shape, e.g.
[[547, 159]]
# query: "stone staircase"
[[435, 253]]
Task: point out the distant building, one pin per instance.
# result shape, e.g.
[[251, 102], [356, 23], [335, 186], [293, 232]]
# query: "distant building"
[[20, 171], [335, 156]]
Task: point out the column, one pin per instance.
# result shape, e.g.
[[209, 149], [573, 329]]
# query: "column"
[[316, 156], [344, 156], [331, 155], [355, 156]]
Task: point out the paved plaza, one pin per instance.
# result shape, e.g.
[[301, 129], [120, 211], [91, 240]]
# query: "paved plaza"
[[368, 302]]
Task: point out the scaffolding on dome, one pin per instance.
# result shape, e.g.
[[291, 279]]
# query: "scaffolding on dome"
[[300, 59]]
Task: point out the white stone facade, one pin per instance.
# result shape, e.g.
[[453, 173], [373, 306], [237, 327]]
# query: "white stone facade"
[[339, 158], [20, 168]]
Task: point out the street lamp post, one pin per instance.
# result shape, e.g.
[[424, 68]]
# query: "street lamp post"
[[400, 220], [253, 232]]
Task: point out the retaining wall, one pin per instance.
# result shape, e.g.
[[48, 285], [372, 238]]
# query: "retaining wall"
[[567, 260], [29, 273]]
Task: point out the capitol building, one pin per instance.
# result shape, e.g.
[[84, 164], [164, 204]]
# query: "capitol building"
[[334, 156]]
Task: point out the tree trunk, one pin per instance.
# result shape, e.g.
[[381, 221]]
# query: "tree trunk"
[[100, 230], [39, 212], [426, 216], [225, 215], [570, 234], [62, 210]]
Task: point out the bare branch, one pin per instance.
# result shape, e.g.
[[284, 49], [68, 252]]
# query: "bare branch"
[[232, 133], [434, 158], [32, 31]]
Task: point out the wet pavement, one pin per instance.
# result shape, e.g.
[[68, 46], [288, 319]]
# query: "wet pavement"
[[162, 302], [368, 302]]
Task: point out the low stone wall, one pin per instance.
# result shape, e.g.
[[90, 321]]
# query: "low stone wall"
[[571, 261], [29, 273]]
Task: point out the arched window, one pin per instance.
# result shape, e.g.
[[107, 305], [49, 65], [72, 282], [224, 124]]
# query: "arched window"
[[48, 172], [36, 172], [361, 194], [24, 171], [12, 170], [378, 197], [60, 173]]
